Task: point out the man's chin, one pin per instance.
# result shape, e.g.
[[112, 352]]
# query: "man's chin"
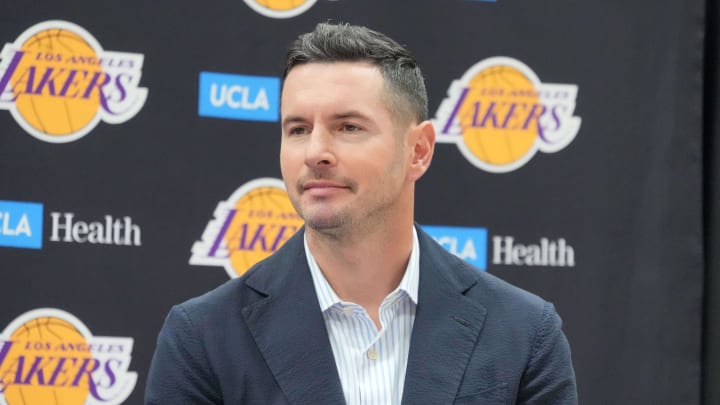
[[326, 223]]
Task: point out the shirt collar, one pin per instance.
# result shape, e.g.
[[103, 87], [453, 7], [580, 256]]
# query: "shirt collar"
[[327, 297]]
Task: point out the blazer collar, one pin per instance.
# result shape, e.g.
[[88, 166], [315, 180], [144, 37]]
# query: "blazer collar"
[[290, 332], [446, 329], [289, 329]]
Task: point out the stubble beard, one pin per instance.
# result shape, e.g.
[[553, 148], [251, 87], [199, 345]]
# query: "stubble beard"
[[342, 222], [315, 218], [337, 222]]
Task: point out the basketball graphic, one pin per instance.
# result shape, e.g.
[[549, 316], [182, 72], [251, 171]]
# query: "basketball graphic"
[[252, 224], [496, 142], [280, 8], [49, 357], [265, 208], [280, 4], [500, 115], [47, 111], [38, 339], [58, 83]]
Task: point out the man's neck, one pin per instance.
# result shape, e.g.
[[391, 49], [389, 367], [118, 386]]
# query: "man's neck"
[[364, 268]]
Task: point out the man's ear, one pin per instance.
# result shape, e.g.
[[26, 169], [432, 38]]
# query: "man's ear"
[[422, 146]]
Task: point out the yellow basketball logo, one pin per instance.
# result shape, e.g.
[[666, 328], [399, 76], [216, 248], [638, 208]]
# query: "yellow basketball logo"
[[500, 114], [280, 8], [252, 224], [58, 83], [49, 357]]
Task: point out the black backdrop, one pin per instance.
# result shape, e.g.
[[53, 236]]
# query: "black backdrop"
[[625, 194]]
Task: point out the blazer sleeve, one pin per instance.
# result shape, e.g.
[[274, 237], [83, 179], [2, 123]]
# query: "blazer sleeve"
[[179, 372], [549, 377]]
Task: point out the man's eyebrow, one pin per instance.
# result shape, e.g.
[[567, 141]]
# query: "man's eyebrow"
[[292, 119], [351, 114]]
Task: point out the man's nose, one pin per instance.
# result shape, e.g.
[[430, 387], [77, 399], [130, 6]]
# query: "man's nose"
[[320, 151]]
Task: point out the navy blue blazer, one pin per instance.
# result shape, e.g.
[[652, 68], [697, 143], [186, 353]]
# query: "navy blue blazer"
[[261, 339]]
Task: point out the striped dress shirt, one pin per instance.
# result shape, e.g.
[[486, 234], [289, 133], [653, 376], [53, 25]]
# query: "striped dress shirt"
[[371, 363]]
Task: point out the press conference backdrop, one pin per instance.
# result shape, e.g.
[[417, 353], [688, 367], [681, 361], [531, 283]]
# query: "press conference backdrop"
[[139, 168]]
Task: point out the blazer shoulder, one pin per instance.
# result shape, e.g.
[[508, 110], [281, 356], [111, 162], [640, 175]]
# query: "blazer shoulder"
[[473, 282], [215, 303], [497, 289], [499, 297], [265, 276]]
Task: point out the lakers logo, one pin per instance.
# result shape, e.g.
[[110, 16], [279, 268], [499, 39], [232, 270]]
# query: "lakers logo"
[[252, 224], [58, 83], [280, 8], [47, 356], [500, 114]]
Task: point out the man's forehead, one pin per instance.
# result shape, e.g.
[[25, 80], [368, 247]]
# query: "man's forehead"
[[352, 75], [359, 67], [325, 80]]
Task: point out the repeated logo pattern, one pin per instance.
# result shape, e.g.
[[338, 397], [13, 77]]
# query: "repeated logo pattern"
[[248, 227], [58, 83], [500, 114], [48, 356], [280, 8]]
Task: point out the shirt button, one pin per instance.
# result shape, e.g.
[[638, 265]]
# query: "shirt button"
[[372, 354], [348, 310]]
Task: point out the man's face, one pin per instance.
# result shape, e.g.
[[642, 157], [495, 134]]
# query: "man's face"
[[343, 157]]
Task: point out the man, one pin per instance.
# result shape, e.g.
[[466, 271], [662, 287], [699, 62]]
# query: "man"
[[361, 306]]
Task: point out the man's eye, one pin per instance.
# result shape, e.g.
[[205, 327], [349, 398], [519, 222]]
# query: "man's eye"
[[350, 128], [297, 131]]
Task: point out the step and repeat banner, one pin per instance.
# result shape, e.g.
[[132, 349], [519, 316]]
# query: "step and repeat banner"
[[139, 148]]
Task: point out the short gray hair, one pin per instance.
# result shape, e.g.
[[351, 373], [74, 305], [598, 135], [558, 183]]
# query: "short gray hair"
[[341, 42]]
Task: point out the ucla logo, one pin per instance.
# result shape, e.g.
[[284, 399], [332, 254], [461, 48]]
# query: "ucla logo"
[[252, 224], [499, 114], [58, 83], [469, 244], [48, 356], [280, 8], [239, 97], [21, 224]]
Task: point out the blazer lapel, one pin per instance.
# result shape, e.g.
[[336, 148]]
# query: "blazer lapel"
[[290, 331], [446, 329]]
